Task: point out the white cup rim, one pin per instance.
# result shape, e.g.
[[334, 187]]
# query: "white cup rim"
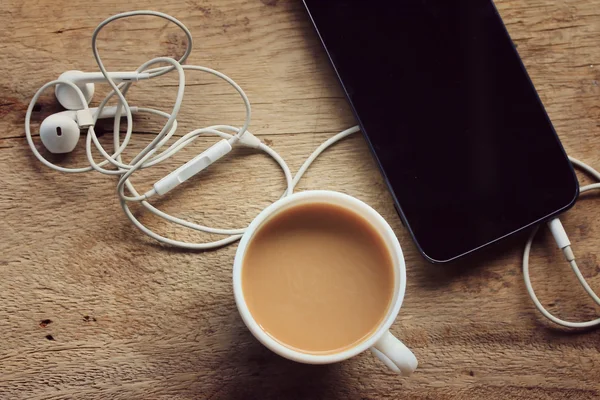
[[392, 244]]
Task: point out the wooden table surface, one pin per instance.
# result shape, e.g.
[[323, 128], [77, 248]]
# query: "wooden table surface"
[[91, 308]]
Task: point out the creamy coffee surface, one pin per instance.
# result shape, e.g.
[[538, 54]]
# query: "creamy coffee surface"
[[318, 278]]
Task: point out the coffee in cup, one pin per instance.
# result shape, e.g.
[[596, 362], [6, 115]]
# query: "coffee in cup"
[[319, 277]]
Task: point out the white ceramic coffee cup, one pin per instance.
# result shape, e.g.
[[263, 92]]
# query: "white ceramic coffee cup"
[[382, 343]]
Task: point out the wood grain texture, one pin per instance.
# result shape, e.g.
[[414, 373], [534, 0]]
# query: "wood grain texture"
[[90, 308]]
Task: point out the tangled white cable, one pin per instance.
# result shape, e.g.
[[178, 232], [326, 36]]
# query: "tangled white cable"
[[562, 240], [80, 95]]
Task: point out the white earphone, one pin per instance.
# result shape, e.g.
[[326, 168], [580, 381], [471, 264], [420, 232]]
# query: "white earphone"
[[74, 90], [69, 98], [60, 132]]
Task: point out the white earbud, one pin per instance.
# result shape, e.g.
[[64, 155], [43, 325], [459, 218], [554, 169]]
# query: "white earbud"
[[60, 132], [68, 97]]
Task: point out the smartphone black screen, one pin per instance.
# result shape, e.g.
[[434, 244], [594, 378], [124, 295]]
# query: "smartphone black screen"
[[451, 115]]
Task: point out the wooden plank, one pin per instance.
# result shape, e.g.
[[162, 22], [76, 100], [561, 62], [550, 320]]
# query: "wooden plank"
[[93, 309]]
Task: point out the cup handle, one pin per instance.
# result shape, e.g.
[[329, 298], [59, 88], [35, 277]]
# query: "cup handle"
[[395, 355]]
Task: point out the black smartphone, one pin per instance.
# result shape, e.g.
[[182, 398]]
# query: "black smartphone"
[[452, 118]]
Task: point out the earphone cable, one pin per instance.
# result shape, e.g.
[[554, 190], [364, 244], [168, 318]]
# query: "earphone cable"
[[150, 155], [570, 258]]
